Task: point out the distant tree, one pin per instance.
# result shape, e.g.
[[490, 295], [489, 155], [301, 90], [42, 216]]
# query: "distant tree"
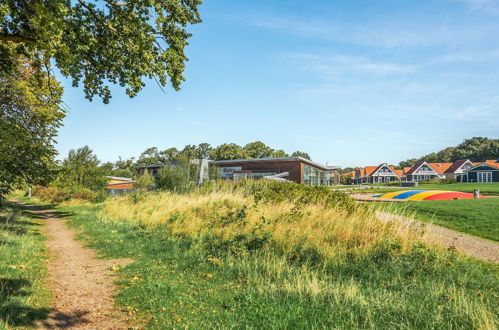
[[123, 168], [30, 114], [119, 42], [145, 181], [179, 178], [257, 149], [228, 151], [169, 154], [279, 153], [408, 163], [475, 149], [190, 152], [347, 170], [204, 150], [150, 156], [301, 154], [81, 168]]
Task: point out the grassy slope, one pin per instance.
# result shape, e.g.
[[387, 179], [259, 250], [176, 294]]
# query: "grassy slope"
[[476, 217], [24, 297], [180, 281]]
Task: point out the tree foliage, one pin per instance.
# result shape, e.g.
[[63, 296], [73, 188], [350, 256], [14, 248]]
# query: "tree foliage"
[[301, 154], [227, 151], [81, 168], [476, 149], [30, 114], [145, 181], [102, 43], [258, 149]]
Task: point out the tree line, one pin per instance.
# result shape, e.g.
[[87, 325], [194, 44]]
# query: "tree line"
[[82, 173], [476, 149]]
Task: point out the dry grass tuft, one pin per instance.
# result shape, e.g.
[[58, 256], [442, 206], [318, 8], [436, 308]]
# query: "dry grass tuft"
[[331, 231]]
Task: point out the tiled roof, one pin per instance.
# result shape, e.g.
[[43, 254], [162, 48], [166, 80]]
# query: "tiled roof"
[[399, 173], [370, 169], [492, 162], [440, 168], [406, 169]]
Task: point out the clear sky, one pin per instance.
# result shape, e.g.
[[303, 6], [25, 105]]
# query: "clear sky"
[[350, 82]]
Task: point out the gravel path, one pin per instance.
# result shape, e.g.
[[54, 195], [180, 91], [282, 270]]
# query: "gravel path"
[[82, 284], [465, 244]]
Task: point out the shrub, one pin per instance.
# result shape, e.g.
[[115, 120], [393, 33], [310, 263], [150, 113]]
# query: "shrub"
[[145, 181], [50, 193], [55, 194], [438, 181]]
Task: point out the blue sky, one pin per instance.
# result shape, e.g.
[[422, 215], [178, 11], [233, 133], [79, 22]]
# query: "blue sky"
[[352, 83]]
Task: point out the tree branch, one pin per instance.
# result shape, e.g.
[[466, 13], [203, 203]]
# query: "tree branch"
[[15, 38], [97, 17]]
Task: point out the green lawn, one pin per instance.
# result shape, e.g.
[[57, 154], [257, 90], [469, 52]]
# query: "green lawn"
[[485, 188], [24, 297], [476, 217], [182, 282]]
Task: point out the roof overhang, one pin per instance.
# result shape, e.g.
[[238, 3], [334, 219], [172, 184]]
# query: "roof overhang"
[[275, 159]]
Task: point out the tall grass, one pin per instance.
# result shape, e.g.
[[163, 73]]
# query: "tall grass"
[[24, 296], [235, 219], [258, 254]]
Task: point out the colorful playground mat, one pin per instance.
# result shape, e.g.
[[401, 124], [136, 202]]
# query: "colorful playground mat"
[[420, 195]]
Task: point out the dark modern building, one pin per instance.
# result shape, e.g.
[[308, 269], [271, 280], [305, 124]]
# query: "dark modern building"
[[487, 171], [296, 169]]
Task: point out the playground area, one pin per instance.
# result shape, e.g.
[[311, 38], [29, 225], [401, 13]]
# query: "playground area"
[[421, 195]]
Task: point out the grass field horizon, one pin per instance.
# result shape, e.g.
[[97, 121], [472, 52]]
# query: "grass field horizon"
[[491, 188], [281, 256]]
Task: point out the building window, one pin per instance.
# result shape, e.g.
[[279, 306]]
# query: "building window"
[[315, 177], [484, 176]]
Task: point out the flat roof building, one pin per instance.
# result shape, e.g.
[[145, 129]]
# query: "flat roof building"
[[296, 169]]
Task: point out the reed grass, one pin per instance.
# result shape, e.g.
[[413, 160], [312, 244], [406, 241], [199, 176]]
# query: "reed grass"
[[266, 256]]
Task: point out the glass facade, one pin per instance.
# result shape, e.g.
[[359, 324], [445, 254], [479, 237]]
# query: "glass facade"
[[252, 175], [315, 177]]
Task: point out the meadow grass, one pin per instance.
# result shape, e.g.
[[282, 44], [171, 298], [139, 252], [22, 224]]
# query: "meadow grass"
[[478, 217], [226, 258], [24, 296]]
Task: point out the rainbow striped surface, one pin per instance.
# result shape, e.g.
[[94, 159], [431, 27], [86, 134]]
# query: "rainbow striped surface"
[[425, 195]]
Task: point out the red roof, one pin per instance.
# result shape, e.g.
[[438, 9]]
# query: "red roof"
[[492, 162], [440, 168], [370, 169], [399, 173]]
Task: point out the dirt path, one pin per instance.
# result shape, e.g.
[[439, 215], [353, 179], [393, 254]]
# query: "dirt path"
[[465, 244], [82, 284]]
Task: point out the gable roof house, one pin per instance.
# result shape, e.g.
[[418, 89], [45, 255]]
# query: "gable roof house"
[[378, 174], [427, 171], [488, 171], [458, 170]]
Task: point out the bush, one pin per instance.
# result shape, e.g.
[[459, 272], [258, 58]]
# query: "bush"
[[51, 194], [438, 181], [181, 178], [54, 194], [276, 192]]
